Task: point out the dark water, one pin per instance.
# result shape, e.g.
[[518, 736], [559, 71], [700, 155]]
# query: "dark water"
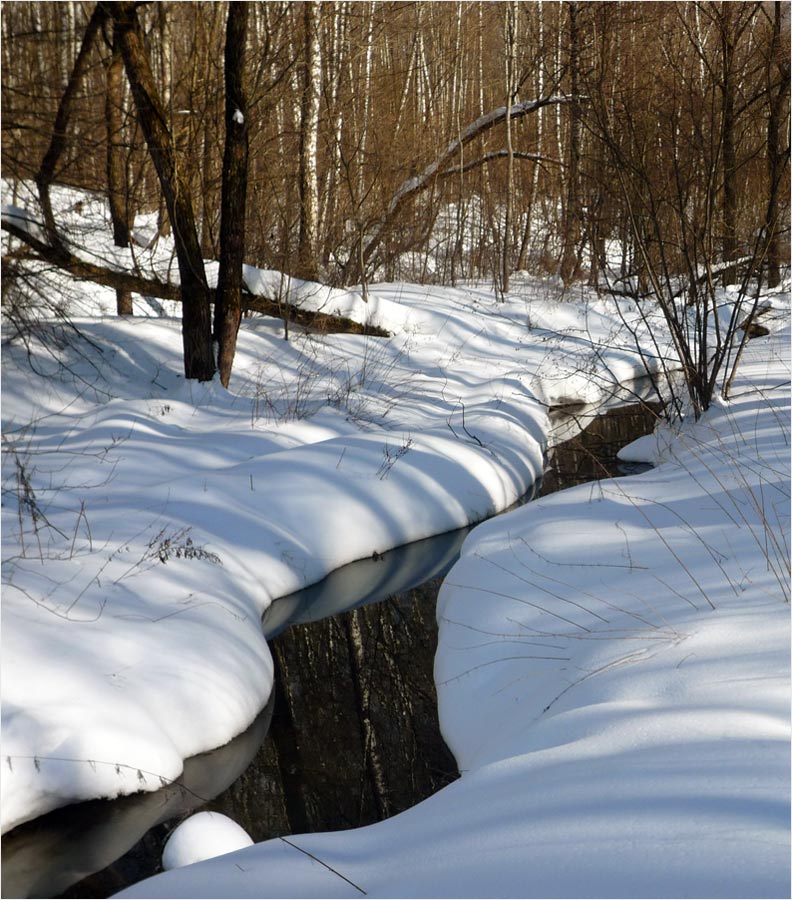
[[351, 734]]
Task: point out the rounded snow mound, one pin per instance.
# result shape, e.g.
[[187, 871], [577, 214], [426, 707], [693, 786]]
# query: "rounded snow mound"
[[202, 836]]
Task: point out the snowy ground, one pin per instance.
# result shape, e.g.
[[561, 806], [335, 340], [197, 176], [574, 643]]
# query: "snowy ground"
[[613, 661], [613, 671]]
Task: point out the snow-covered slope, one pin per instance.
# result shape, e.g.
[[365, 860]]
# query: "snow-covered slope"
[[150, 521], [613, 672], [613, 661]]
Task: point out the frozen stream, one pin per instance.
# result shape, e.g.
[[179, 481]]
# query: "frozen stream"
[[351, 734]]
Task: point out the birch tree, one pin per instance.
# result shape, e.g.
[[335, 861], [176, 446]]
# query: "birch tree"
[[572, 205], [309, 141]]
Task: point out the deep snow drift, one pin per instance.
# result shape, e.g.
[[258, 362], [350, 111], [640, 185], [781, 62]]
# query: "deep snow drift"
[[613, 673], [613, 660], [150, 521]]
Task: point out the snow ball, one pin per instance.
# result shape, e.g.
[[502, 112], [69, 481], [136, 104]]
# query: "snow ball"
[[202, 836], [238, 117]]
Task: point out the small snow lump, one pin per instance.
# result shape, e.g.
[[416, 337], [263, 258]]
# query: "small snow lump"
[[202, 836]]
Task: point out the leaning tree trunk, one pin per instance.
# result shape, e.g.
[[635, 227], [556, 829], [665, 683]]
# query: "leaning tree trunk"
[[46, 173], [196, 317], [228, 308], [437, 169]]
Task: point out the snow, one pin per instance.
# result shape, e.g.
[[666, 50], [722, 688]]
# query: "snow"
[[22, 218], [613, 679], [613, 660], [203, 836]]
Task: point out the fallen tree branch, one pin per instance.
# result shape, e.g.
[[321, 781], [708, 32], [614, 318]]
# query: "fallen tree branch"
[[82, 270]]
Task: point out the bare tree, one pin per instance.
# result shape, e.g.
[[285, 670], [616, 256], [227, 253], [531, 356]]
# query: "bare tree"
[[437, 168], [57, 144], [778, 80], [117, 190], [196, 319], [572, 211], [510, 41], [228, 305], [665, 144], [309, 135]]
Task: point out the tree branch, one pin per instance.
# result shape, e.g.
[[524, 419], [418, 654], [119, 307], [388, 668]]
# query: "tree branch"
[[82, 270], [422, 180], [498, 154]]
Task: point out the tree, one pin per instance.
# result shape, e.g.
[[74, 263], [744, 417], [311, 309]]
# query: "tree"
[[665, 143], [196, 317], [510, 41], [117, 192], [437, 169], [777, 81], [572, 210], [228, 305], [57, 144], [309, 135]]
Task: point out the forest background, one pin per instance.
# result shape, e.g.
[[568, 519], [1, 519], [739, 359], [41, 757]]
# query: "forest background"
[[630, 145]]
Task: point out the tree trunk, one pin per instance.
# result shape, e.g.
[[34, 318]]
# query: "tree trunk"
[[728, 144], [425, 179], [510, 40], [228, 306], [309, 141], [361, 680], [196, 320], [526, 238], [117, 194], [163, 64], [46, 172], [571, 230], [777, 157]]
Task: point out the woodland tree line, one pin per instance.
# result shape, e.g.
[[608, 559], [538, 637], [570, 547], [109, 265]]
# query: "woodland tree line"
[[633, 143]]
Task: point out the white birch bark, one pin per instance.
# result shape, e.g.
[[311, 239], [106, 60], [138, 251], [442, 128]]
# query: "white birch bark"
[[366, 114], [334, 67], [540, 89], [309, 140]]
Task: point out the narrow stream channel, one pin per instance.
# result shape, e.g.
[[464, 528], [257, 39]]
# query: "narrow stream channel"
[[351, 734]]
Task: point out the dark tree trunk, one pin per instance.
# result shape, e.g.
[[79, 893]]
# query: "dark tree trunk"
[[777, 155], [571, 236], [228, 308], [728, 145], [117, 194], [196, 317]]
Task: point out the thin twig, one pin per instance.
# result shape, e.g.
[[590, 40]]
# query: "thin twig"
[[323, 863]]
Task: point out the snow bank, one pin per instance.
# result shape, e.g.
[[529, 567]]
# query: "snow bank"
[[613, 679], [156, 519], [613, 661]]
